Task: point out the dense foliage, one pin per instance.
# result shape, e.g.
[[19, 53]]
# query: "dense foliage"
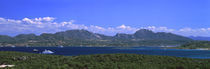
[[142, 37], [103, 61], [196, 44]]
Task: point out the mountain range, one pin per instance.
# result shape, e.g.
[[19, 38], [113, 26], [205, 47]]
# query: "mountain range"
[[142, 37], [200, 38]]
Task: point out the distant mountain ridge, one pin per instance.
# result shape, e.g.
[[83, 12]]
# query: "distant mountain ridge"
[[200, 38], [87, 38]]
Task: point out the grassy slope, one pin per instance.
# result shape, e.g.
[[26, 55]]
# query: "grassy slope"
[[103, 61]]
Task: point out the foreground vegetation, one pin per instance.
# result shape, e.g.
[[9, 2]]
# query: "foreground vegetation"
[[103, 61]]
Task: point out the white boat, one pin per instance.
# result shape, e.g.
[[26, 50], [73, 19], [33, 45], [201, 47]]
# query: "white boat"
[[35, 50], [13, 46], [47, 52], [61, 46]]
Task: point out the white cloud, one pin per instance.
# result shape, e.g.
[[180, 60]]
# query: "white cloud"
[[186, 30], [38, 20], [2, 19], [47, 18], [193, 32], [28, 20], [44, 19], [14, 21], [123, 27], [49, 25], [97, 27], [208, 29], [158, 29]]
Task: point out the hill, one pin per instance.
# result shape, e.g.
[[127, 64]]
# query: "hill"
[[142, 37], [196, 45]]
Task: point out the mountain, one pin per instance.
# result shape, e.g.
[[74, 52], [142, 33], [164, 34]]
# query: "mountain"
[[145, 34], [200, 38], [5, 38], [123, 36], [78, 34], [142, 37]]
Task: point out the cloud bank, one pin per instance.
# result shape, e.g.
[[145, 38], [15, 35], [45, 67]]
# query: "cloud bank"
[[49, 25]]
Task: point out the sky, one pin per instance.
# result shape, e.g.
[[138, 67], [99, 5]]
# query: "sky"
[[182, 17]]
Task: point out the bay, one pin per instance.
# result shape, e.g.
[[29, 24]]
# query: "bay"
[[75, 51]]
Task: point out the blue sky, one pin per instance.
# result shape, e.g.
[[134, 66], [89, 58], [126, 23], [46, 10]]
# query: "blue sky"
[[184, 17]]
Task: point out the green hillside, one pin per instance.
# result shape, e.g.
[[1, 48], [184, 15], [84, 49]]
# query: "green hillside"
[[103, 61], [196, 45]]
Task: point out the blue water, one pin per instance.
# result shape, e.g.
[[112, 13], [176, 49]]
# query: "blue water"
[[73, 51]]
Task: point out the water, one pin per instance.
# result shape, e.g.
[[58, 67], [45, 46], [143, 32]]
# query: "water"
[[74, 51]]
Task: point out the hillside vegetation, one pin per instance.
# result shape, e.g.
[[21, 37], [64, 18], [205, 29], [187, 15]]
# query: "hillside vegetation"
[[103, 61], [196, 44]]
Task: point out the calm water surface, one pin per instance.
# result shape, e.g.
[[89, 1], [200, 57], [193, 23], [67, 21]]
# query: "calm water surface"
[[73, 51]]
